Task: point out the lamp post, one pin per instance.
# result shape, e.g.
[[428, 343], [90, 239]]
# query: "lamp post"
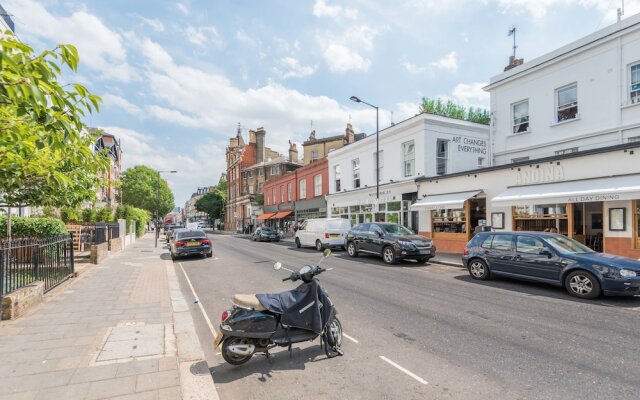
[[158, 204], [357, 100]]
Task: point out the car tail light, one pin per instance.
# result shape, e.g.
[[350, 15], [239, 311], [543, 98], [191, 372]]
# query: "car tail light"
[[465, 251], [225, 315], [326, 235], [205, 241], [180, 243]]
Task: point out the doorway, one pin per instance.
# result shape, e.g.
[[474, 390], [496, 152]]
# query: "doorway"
[[588, 224]]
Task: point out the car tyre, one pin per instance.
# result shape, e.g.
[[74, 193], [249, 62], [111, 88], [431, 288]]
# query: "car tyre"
[[210, 254], [582, 284], [298, 245], [478, 269], [388, 255], [351, 249], [319, 245]]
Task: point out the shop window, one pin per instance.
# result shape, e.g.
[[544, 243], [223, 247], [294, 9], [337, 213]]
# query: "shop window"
[[635, 84], [567, 103], [337, 178], [409, 158], [520, 112], [541, 217], [317, 185], [303, 188], [448, 221], [442, 155], [380, 162], [636, 219], [289, 191], [355, 166]]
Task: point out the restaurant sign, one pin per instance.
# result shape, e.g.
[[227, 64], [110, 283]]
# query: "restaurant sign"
[[543, 174], [594, 197]]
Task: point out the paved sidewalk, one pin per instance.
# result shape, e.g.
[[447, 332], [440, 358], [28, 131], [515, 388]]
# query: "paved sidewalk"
[[121, 330], [452, 259]]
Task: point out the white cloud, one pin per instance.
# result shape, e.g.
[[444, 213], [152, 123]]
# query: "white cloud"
[[294, 69], [471, 95], [539, 8], [404, 110], [343, 52], [322, 9], [100, 48], [112, 100], [414, 69], [182, 8], [447, 63], [243, 37], [342, 59], [203, 35], [154, 23]]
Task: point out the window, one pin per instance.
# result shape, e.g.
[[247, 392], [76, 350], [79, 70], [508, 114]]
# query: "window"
[[408, 158], [317, 185], [501, 242], [635, 84], [520, 112], [480, 162], [442, 153], [314, 155], [274, 170], [251, 189], [528, 245], [567, 102], [281, 193], [248, 174], [355, 165], [266, 199], [380, 162], [273, 196], [289, 191], [519, 159], [566, 151], [633, 139], [259, 187], [336, 177], [303, 188]]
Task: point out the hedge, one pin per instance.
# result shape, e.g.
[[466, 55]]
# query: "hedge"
[[132, 214], [32, 227]]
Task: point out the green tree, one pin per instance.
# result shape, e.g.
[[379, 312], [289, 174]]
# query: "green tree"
[[139, 189], [452, 110], [212, 204], [222, 188]]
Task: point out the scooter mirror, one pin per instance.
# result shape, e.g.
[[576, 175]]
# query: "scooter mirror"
[[326, 253], [277, 266]]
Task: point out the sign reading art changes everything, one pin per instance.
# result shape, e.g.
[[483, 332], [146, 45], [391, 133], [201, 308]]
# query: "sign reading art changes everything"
[[470, 145]]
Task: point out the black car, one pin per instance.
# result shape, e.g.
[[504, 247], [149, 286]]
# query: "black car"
[[265, 233], [393, 242], [187, 242], [554, 259], [170, 232]]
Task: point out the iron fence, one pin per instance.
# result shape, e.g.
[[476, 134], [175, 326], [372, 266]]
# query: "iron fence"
[[24, 261]]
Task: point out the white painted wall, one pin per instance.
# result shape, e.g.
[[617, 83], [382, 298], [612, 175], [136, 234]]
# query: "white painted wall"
[[467, 142], [602, 72]]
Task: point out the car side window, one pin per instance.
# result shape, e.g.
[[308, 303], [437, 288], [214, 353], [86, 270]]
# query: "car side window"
[[528, 245], [375, 229], [486, 243], [501, 242], [364, 228]]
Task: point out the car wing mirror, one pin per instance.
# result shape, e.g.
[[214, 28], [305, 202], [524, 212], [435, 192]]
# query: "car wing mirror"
[[545, 252], [380, 234]]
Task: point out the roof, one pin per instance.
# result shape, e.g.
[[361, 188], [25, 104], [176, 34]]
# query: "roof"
[[610, 31], [274, 161], [323, 140]]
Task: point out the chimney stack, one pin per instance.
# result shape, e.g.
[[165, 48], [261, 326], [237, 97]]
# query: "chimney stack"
[[513, 62], [349, 134], [252, 136], [293, 152], [260, 134]]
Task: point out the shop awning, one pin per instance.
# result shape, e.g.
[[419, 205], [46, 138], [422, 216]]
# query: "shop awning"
[[448, 200], [265, 216], [613, 188], [282, 214]]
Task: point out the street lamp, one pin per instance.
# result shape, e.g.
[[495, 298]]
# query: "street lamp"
[[357, 100], [158, 204]]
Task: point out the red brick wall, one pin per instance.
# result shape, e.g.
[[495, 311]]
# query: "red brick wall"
[[307, 172], [446, 245], [621, 247]]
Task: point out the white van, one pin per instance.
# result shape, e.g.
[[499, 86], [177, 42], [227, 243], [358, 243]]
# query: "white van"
[[322, 233]]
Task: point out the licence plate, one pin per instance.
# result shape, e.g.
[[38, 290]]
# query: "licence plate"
[[334, 235], [191, 244]]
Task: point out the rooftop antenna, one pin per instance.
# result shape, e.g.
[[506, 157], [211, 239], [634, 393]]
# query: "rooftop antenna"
[[512, 32], [349, 118], [621, 11], [392, 123]]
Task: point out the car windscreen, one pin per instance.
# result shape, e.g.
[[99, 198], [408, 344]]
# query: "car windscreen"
[[191, 235], [267, 230], [393, 229], [565, 245]]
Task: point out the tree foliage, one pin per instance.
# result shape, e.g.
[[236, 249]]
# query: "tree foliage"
[[139, 189], [132, 214], [212, 204], [46, 152], [33, 227], [453, 110]]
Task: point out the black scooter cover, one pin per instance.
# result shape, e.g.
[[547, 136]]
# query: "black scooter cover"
[[305, 307]]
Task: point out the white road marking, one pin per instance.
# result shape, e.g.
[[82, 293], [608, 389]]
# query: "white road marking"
[[195, 296], [350, 338], [406, 371]]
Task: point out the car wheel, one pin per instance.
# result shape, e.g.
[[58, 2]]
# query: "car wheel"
[[478, 269], [388, 255], [209, 255], [319, 246], [298, 245], [351, 249], [582, 284]]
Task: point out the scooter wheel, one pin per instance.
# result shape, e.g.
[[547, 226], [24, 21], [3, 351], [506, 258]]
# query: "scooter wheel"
[[230, 357], [333, 338]]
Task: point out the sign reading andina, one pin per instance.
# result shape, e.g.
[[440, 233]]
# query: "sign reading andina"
[[544, 174]]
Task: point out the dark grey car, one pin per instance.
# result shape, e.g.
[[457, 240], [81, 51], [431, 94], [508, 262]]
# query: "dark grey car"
[[188, 242], [393, 242]]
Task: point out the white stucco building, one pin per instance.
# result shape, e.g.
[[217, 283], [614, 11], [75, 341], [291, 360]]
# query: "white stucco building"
[[424, 145], [565, 146]]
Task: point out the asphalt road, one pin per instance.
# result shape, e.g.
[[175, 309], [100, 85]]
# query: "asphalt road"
[[422, 332]]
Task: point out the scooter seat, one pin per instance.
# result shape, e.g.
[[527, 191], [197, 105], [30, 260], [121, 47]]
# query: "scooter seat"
[[248, 301]]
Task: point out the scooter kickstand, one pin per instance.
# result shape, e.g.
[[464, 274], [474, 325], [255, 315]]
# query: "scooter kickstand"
[[290, 351]]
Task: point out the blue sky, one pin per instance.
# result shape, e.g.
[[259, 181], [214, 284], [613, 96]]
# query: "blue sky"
[[177, 77]]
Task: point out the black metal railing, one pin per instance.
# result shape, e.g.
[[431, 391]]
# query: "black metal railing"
[[24, 261], [114, 231]]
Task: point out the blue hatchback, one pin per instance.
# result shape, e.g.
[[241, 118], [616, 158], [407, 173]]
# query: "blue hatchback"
[[554, 259]]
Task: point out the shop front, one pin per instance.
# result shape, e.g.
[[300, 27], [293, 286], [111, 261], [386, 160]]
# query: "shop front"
[[597, 206], [393, 204], [312, 208]]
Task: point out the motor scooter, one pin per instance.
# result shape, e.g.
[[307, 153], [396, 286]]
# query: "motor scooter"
[[256, 323]]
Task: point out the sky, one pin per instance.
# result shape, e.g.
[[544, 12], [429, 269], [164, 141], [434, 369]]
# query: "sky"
[[177, 77]]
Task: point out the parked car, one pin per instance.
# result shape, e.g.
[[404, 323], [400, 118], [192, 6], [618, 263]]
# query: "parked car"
[[393, 242], [172, 231], [188, 242], [323, 233], [551, 258], [265, 233]]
